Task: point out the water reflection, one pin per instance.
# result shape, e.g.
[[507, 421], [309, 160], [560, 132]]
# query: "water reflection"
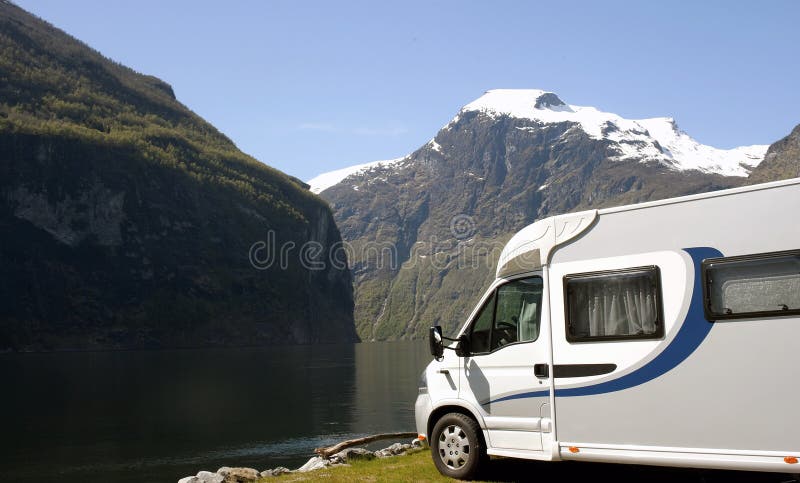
[[386, 381], [131, 416]]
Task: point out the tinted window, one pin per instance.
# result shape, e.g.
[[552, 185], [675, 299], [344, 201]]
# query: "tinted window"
[[482, 328], [515, 318], [518, 310], [623, 304], [763, 285]]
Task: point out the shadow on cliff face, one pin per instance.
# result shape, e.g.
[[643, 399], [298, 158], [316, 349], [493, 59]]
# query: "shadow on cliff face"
[[503, 469]]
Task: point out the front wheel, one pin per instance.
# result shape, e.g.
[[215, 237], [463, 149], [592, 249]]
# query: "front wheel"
[[456, 446]]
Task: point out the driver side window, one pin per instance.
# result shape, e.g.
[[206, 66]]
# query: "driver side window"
[[512, 314], [481, 333]]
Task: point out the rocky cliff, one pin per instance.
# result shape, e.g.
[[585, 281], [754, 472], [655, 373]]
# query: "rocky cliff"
[[426, 229], [782, 160]]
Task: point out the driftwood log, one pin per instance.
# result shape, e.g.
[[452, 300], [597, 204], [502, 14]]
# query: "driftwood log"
[[331, 450]]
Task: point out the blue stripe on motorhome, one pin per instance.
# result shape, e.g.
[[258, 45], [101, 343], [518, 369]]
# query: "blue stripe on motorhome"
[[693, 331]]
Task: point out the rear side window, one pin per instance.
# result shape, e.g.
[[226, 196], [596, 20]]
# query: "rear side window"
[[614, 305], [761, 285]]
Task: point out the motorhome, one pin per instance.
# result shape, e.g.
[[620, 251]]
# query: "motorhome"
[[662, 333]]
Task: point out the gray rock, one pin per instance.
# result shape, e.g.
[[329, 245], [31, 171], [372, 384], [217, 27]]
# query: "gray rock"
[[315, 463], [280, 470], [203, 477], [351, 454], [547, 100], [209, 477], [393, 450], [238, 475]]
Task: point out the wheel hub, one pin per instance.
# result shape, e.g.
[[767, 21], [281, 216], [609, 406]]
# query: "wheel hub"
[[454, 447]]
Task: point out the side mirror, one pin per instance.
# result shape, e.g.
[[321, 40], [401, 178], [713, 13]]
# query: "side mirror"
[[435, 342], [463, 347]]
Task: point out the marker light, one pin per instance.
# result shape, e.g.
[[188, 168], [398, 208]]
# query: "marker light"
[[792, 460], [574, 449]]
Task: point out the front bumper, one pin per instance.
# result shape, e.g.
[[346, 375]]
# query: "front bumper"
[[422, 412]]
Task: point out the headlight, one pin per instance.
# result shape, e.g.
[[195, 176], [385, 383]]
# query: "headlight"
[[423, 383]]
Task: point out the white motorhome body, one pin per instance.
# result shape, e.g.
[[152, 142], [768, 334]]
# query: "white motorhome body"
[[663, 333]]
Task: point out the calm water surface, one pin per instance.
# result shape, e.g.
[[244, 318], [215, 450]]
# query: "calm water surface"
[[162, 415]]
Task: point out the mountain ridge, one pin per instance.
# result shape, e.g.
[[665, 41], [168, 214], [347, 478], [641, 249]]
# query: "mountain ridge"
[[651, 139], [447, 208]]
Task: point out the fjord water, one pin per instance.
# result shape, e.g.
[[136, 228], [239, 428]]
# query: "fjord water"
[[162, 415]]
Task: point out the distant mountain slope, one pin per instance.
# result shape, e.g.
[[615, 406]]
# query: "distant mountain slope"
[[505, 160], [326, 180], [782, 160], [127, 221]]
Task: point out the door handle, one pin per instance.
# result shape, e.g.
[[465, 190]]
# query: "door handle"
[[542, 371]]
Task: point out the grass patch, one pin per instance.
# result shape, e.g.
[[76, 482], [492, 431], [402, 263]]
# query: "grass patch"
[[413, 466], [418, 466]]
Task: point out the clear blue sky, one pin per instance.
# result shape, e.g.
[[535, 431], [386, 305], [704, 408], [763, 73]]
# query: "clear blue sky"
[[309, 87]]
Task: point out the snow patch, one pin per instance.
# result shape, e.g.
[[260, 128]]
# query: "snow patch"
[[435, 146], [323, 181]]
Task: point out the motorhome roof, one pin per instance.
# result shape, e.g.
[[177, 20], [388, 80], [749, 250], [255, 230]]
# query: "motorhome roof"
[[530, 247]]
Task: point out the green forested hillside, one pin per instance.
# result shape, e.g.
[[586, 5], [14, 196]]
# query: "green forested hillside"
[[126, 220]]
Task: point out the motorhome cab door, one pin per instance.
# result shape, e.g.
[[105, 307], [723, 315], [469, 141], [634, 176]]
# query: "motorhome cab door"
[[506, 370]]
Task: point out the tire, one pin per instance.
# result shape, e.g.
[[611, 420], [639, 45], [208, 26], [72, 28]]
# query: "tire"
[[457, 447]]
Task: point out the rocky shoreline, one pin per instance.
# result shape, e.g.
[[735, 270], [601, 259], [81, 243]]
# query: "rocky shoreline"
[[250, 475]]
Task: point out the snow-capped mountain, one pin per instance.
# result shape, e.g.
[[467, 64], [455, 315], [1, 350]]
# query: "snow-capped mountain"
[[657, 139], [506, 159]]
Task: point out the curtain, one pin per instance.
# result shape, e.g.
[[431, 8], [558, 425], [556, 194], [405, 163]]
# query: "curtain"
[[528, 322], [614, 306]]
